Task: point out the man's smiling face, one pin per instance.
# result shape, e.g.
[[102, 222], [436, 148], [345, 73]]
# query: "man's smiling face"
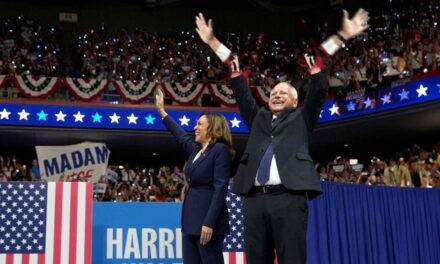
[[283, 95]]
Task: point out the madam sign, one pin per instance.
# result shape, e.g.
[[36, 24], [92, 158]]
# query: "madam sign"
[[84, 161]]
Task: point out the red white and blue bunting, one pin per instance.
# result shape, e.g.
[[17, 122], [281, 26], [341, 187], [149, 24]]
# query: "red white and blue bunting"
[[36, 87], [185, 95], [134, 92], [86, 90], [262, 93], [3, 80], [222, 93]]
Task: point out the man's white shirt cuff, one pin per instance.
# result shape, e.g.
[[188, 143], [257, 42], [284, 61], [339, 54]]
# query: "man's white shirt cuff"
[[223, 53]]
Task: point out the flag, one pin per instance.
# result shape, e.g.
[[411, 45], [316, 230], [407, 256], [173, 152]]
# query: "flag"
[[45, 223], [233, 246]]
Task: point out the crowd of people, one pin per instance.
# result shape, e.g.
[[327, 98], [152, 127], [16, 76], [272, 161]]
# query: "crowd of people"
[[179, 56], [414, 167], [399, 44], [120, 182], [125, 184], [26, 48]]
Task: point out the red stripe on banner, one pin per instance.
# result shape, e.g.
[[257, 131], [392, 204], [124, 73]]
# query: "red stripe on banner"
[[58, 223], [88, 227], [9, 258], [25, 259], [73, 221], [41, 259], [232, 258], [244, 257]]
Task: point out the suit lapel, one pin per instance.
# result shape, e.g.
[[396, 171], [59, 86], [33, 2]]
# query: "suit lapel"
[[267, 120], [190, 163], [203, 156]]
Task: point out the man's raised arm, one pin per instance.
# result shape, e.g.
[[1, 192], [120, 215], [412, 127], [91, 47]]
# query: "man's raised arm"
[[247, 104], [350, 28], [317, 62], [206, 33]]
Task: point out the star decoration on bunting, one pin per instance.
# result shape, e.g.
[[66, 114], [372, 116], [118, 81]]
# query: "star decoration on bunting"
[[320, 113], [403, 95], [23, 115], [96, 117], [79, 117], [334, 110], [235, 122], [367, 103], [351, 106], [150, 119], [422, 91], [386, 99], [132, 119], [114, 118], [42, 115], [60, 116], [184, 121]]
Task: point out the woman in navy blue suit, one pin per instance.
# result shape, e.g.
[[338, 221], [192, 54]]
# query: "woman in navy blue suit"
[[204, 214]]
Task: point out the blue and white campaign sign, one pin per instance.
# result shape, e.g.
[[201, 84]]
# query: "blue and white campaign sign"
[[141, 233], [84, 161]]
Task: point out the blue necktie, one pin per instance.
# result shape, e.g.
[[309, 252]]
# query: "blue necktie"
[[265, 162], [264, 169]]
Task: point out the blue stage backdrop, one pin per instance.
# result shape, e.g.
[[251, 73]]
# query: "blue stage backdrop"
[[347, 224], [374, 225]]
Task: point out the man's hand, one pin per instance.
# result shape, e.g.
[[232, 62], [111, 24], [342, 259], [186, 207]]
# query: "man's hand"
[[354, 26], [205, 235], [206, 32], [350, 28], [204, 29], [160, 103]]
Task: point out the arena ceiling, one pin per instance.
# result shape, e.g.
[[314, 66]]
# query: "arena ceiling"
[[273, 6]]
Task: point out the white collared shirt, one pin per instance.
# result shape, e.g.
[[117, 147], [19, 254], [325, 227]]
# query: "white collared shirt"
[[274, 176]]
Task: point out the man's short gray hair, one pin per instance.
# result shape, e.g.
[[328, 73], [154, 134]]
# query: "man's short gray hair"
[[293, 91]]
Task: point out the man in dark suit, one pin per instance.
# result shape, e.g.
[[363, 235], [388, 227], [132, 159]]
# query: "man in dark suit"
[[276, 173]]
